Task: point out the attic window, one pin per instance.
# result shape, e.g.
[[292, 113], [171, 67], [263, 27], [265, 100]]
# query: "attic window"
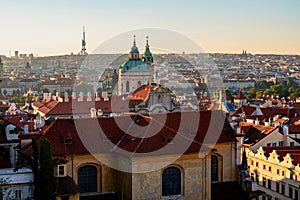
[[67, 138]]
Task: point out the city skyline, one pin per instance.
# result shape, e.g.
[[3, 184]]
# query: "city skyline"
[[55, 28]]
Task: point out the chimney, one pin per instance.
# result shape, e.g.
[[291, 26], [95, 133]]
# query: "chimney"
[[256, 122], [89, 97], [93, 112], [105, 96], [45, 95], [66, 99], [73, 95], [267, 123], [80, 98], [60, 99], [97, 98]]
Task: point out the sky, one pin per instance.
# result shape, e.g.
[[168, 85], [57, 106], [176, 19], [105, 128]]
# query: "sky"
[[218, 26]]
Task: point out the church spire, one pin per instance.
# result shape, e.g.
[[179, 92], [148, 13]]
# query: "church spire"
[[147, 56], [134, 53]]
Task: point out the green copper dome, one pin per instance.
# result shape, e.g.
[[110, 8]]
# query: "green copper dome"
[[135, 66]]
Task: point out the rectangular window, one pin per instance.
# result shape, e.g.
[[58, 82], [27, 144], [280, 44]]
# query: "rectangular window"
[[296, 196], [290, 192], [269, 184], [256, 164], [252, 162], [269, 144], [278, 172], [264, 167], [61, 170], [282, 173], [292, 144], [277, 187], [18, 194], [283, 188], [280, 143], [270, 169], [264, 182], [274, 144]]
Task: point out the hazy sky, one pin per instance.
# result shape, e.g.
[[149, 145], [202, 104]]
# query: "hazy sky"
[[55, 27]]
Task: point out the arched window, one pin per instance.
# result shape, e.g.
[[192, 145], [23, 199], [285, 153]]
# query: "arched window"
[[127, 86], [159, 99], [171, 181], [214, 168], [87, 178], [139, 84]]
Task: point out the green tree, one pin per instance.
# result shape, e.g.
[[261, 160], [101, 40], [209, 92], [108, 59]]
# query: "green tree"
[[42, 168], [259, 93], [84, 87], [15, 100], [35, 168], [295, 93], [46, 170], [45, 90], [229, 95], [251, 95]]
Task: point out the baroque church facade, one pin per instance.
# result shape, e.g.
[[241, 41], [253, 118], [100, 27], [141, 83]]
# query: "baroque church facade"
[[136, 71]]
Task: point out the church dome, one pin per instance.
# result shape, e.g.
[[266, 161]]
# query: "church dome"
[[135, 66]]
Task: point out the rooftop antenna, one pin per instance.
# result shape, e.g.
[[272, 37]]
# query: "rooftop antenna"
[[83, 43]]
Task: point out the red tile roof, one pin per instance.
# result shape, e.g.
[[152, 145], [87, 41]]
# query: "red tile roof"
[[254, 132], [114, 104], [138, 133], [65, 186], [247, 109], [142, 92], [294, 151], [240, 96]]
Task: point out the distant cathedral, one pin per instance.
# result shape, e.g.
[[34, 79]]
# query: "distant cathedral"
[[136, 72]]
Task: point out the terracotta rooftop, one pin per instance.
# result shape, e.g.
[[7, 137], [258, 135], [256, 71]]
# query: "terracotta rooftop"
[[240, 96], [137, 133], [294, 151], [142, 92], [247, 109], [65, 186], [255, 133], [53, 107]]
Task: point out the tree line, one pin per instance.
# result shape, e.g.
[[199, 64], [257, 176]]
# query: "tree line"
[[286, 88]]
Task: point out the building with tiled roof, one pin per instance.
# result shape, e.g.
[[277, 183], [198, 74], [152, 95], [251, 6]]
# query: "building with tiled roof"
[[240, 99], [153, 98], [276, 171], [137, 139], [77, 106]]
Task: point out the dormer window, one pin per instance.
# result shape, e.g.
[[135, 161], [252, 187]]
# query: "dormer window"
[[60, 167], [67, 138], [61, 170]]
